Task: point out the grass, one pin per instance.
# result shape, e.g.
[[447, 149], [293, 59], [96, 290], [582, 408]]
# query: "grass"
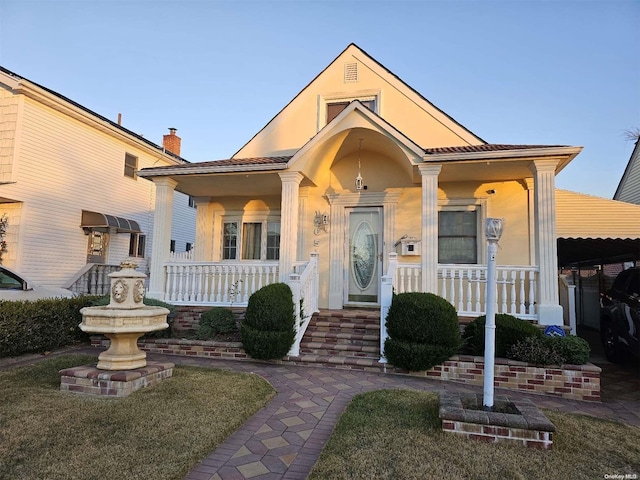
[[390, 434], [156, 433]]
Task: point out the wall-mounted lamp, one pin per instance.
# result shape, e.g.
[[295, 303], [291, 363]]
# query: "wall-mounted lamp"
[[320, 223], [491, 192]]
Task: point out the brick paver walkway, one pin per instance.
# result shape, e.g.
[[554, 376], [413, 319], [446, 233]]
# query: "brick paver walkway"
[[284, 439]]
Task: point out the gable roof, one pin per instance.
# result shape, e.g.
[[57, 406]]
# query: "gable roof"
[[23, 84], [382, 71]]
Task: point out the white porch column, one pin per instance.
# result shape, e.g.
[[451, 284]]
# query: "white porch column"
[[161, 244], [289, 212], [549, 309], [429, 259], [204, 230], [529, 185]]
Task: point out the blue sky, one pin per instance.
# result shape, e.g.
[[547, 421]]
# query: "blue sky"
[[538, 72]]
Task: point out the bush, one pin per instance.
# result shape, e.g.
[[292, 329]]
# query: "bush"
[[509, 331], [41, 325], [268, 329], [551, 350], [423, 330], [216, 321]]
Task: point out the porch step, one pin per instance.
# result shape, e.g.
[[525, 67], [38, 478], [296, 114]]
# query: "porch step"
[[340, 334]]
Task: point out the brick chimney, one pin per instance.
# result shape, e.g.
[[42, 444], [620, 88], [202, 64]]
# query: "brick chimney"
[[171, 142]]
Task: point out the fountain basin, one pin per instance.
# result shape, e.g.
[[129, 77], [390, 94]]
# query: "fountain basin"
[[123, 327]]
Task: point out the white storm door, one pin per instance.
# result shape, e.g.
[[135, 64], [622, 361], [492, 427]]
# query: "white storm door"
[[362, 276]]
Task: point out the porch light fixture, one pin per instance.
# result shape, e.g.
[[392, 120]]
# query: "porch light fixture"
[[493, 231], [359, 177]]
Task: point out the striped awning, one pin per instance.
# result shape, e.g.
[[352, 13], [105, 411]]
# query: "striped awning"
[[103, 221]]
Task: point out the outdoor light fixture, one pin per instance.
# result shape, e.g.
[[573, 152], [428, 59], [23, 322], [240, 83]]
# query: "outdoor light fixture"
[[359, 177], [320, 223], [493, 229], [493, 232]]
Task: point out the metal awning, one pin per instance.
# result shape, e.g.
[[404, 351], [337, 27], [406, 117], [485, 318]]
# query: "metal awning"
[[102, 221]]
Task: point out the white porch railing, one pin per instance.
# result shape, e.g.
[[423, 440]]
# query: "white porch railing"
[[216, 283], [305, 288], [181, 256], [464, 287]]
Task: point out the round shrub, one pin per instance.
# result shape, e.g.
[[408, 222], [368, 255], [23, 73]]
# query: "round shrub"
[[423, 330], [268, 329], [509, 330], [216, 321]]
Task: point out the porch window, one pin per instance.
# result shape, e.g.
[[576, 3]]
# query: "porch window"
[[230, 241], [137, 245], [248, 241], [458, 236]]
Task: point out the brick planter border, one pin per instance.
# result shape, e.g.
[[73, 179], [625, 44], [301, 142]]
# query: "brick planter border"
[[531, 428]]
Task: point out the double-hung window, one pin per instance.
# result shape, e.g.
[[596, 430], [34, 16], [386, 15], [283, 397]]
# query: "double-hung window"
[[458, 236], [137, 245], [252, 240]]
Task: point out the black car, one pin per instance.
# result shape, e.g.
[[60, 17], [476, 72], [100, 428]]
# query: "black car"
[[619, 316]]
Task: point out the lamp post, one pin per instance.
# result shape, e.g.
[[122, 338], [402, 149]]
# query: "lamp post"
[[493, 232]]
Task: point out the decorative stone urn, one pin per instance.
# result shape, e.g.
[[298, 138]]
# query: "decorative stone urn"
[[124, 320]]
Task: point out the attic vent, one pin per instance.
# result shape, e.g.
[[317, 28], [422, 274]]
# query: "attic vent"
[[350, 72]]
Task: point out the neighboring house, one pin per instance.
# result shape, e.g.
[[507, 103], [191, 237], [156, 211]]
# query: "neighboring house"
[[69, 188], [629, 187], [358, 186]]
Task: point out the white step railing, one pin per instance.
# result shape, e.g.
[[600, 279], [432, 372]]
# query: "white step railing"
[[181, 256], [305, 287], [464, 287], [216, 283]]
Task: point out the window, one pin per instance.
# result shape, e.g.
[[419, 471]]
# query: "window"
[[334, 108], [130, 165], [247, 240], [192, 202], [172, 246], [458, 236], [137, 244], [189, 247]]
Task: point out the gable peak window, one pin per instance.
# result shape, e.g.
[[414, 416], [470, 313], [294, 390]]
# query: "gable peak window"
[[130, 165], [334, 108]]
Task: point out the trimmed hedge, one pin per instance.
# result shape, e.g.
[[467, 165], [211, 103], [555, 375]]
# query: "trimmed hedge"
[[268, 328], [509, 331], [41, 325], [216, 321], [423, 331], [551, 350]]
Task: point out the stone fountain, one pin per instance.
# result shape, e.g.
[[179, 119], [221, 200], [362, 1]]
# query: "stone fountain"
[[123, 367]]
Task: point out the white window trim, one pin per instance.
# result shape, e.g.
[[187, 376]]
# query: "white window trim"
[[363, 95], [241, 220], [479, 205]]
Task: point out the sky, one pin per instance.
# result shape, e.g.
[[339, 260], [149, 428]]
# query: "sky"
[[547, 72]]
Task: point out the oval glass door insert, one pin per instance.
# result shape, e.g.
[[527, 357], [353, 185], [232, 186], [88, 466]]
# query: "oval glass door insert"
[[364, 254]]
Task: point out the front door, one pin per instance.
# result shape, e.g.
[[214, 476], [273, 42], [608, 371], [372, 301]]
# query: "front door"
[[364, 257]]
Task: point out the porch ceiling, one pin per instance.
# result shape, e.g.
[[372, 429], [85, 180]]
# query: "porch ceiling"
[[496, 170], [233, 184]]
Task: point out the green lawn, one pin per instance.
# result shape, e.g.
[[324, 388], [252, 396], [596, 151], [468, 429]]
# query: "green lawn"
[[392, 434], [156, 433]]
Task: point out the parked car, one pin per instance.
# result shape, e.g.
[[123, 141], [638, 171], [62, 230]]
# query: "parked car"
[[15, 287], [619, 316]]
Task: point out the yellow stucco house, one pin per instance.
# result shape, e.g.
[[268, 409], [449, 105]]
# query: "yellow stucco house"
[[360, 186]]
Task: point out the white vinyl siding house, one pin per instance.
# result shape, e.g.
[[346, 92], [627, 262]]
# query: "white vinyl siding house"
[[57, 160]]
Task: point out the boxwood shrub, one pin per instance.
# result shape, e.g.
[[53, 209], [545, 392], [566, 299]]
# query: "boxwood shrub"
[[509, 331], [268, 328], [41, 325], [216, 321], [423, 331]]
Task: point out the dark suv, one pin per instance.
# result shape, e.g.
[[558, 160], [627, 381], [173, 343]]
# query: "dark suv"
[[619, 316]]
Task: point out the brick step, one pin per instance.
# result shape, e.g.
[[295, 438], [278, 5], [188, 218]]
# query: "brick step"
[[351, 328], [338, 347], [370, 364], [342, 337]]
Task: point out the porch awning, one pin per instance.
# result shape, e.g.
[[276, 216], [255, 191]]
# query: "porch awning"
[[95, 221]]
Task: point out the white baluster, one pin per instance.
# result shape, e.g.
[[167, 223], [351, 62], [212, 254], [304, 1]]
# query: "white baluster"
[[512, 309]]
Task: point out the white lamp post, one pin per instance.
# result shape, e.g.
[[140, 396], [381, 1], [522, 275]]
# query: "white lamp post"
[[493, 232]]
